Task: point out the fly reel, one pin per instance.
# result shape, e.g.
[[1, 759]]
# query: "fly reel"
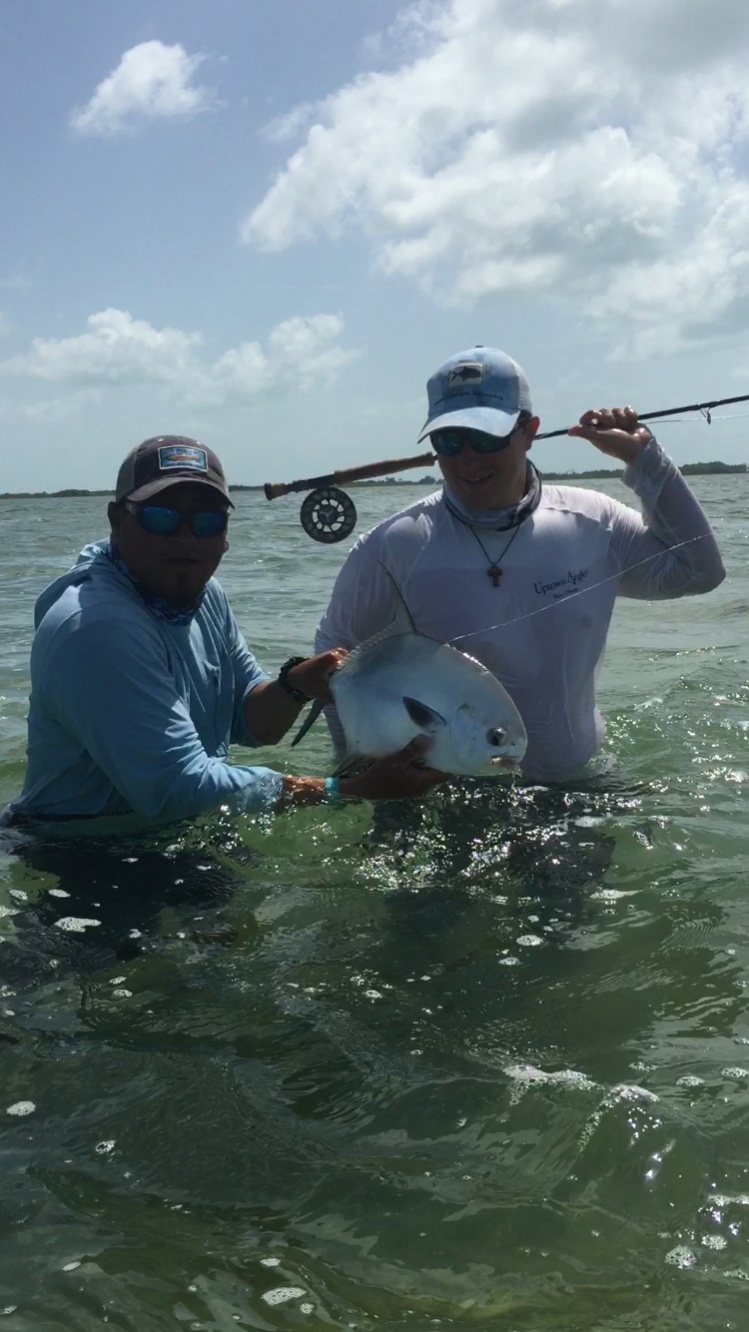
[[328, 514]]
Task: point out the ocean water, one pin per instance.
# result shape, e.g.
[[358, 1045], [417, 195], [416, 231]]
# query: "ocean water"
[[479, 1064]]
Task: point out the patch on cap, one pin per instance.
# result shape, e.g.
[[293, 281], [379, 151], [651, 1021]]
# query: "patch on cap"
[[468, 372], [182, 455]]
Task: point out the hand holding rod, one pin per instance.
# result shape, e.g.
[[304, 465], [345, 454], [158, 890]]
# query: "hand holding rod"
[[670, 411], [273, 490]]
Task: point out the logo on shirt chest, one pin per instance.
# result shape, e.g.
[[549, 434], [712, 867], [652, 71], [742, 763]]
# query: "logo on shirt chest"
[[563, 586]]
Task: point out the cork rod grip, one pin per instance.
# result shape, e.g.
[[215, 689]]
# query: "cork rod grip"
[[274, 490]]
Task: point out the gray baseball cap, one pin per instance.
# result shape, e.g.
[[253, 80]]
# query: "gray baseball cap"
[[164, 461]]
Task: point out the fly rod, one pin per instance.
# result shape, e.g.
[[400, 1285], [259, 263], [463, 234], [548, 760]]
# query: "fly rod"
[[328, 514], [370, 470], [704, 407], [347, 476]]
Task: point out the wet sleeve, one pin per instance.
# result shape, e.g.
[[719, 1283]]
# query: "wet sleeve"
[[669, 551], [110, 686]]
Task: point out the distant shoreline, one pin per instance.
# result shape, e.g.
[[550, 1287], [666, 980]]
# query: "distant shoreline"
[[689, 469]]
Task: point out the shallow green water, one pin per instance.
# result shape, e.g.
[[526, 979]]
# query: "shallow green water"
[[483, 1065]]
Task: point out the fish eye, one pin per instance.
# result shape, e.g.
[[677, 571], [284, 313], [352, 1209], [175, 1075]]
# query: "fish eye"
[[496, 736]]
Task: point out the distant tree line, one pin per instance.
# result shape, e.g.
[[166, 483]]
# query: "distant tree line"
[[689, 469]]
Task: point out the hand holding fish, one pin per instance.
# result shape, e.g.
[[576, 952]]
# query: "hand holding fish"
[[400, 686], [616, 431], [397, 777], [312, 676]]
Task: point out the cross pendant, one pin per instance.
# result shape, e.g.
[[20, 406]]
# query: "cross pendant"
[[495, 574]]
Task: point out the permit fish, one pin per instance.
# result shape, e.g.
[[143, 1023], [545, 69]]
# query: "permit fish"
[[399, 684]]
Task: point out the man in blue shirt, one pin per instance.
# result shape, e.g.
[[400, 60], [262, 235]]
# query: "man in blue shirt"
[[140, 678]]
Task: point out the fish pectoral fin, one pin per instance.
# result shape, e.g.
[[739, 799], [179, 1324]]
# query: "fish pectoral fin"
[[310, 720], [426, 718]]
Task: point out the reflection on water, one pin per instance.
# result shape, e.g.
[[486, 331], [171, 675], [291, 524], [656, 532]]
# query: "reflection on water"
[[464, 1084], [482, 1063], [107, 902]]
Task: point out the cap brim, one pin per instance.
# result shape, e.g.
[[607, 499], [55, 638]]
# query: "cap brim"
[[167, 482], [488, 419]]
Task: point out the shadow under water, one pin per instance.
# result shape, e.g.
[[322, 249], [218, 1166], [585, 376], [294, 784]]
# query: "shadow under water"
[[541, 844], [88, 904]]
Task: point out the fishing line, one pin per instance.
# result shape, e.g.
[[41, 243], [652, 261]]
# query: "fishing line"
[[580, 591], [682, 420]]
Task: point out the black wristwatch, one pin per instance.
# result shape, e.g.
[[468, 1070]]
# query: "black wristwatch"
[[283, 679]]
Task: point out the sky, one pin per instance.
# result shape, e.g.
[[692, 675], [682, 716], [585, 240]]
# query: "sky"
[[266, 225]]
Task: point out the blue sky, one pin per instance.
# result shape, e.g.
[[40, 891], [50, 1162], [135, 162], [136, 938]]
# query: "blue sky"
[[265, 225]]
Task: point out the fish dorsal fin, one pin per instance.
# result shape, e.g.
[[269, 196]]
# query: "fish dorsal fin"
[[402, 623]]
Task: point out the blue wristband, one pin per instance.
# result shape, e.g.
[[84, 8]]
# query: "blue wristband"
[[333, 790]]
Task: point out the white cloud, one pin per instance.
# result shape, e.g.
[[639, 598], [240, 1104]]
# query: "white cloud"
[[307, 347], [50, 411], [301, 351], [151, 82], [118, 349], [575, 148], [290, 125]]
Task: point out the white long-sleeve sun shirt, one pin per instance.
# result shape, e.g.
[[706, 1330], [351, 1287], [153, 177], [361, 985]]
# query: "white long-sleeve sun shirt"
[[571, 558]]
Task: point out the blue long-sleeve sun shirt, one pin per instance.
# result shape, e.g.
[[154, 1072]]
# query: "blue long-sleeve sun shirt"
[[130, 713]]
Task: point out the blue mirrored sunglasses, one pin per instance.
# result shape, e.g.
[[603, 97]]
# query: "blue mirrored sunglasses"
[[449, 441], [160, 521]]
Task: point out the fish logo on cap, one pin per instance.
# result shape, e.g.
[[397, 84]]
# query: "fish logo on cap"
[[470, 372]]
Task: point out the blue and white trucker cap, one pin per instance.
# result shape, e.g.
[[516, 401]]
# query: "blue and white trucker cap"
[[164, 461], [480, 389]]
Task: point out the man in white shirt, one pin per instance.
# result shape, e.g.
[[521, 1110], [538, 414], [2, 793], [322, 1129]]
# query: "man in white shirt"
[[520, 574]]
